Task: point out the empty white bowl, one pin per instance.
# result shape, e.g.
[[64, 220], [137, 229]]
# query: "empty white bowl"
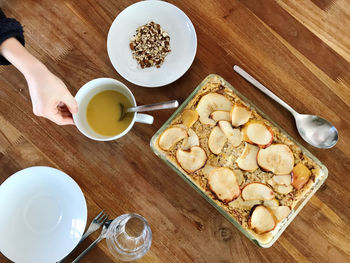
[[43, 215], [183, 43]]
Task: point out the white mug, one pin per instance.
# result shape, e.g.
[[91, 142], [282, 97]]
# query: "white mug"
[[88, 91]]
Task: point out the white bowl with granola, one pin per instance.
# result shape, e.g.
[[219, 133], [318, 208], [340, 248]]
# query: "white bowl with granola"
[[152, 43]]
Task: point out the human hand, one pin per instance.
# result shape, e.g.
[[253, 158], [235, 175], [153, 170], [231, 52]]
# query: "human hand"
[[50, 97]]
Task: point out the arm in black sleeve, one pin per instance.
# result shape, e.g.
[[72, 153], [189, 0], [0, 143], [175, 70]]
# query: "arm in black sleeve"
[[9, 27]]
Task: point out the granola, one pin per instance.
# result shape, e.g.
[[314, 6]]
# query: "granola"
[[150, 45]]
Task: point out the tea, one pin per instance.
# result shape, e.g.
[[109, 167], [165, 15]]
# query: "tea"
[[103, 113]]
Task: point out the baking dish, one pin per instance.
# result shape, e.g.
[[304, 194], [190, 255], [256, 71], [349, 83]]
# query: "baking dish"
[[318, 181]]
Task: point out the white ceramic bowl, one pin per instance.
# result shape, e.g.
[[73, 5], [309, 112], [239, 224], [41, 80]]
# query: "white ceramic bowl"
[[43, 215], [183, 43]]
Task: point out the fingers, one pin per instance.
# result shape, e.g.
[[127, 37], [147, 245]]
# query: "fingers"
[[66, 121], [61, 116], [66, 114], [62, 120], [62, 108], [65, 110], [71, 103]]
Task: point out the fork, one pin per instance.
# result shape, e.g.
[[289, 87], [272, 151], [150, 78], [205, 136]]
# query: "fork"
[[103, 235], [96, 223]]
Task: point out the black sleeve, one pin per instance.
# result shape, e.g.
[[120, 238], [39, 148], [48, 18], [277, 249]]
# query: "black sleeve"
[[9, 27]]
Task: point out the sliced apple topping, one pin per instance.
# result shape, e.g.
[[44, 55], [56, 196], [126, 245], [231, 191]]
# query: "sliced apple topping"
[[240, 203], [207, 169], [191, 140], [191, 160], [284, 179], [281, 183], [276, 158], [257, 132], [171, 136], [282, 189], [209, 103], [233, 135], [257, 191], [239, 115], [223, 183], [189, 117], [239, 176], [180, 126], [301, 175], [273, 202], [220, 115], [216, 140], [262, 220], [247, 160], [280, 212]]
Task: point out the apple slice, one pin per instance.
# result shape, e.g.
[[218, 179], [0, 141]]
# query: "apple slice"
[[239, 115], [207, 169], [276, 158], [280, 212], [284, 179], [220, 115], [301, 175], [233, 135], [191, 140], [239, 176], [209, 103], [180, 126], [282, 189], [262, 220], [223, 183], [170, 137], [247, 160], [273, 202], [257, 132], [216, 140], [240, 203], [189, 117], [257, 191], [191, 160]]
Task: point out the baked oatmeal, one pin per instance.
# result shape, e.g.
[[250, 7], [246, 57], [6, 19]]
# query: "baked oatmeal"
[[246, 165]]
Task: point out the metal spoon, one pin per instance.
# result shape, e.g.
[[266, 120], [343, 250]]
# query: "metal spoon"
[[150, 107], [314, 130]]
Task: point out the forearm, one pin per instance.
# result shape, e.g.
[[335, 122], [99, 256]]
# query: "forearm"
[[50, 97], [19, 57]]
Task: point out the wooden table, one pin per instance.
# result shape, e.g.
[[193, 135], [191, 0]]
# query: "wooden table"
[[299, 49]]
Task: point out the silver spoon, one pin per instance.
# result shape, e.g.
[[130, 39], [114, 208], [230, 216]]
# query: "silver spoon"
[[314, 130], [150, 107]]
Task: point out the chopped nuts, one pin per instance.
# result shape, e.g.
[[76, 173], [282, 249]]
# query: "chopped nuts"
[[150, 45]]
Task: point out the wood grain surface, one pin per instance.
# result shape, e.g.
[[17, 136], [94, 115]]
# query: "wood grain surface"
[[298, 49]]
